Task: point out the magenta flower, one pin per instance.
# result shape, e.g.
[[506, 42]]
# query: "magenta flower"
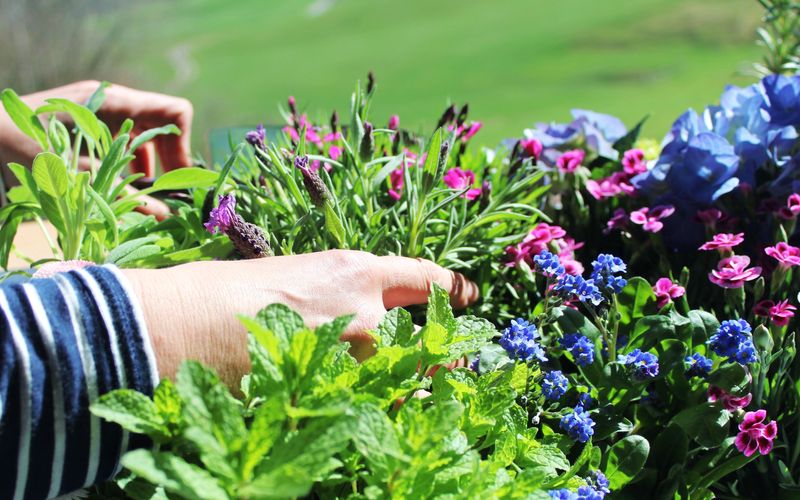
[[785, 254], [394, 122], [709, 217], [779, 313], [396, 179], [619, 220], [458, 179], [666, 290], [570, 161], [633, 162], [566, 253], [223, 215], [723, 242], [793, 204], [732, 272], [532, 147], [534, 242], [650, 218], [729, 401], [754, 434], [618, 183], [335, 152], [473, 129]]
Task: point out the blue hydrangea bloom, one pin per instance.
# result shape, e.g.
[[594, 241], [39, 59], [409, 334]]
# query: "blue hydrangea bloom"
[[698, 365], [643, 364], [578, 424], [594, 131], [782, 99], [548, 264], [582, 289], [581, 348], [563, 494], [604, 270], [734, 340], [554, 385], [599, 483], [519, 341], [585, 399]]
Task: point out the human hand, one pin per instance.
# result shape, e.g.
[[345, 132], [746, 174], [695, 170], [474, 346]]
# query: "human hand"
[[190, 310], [147, 109]]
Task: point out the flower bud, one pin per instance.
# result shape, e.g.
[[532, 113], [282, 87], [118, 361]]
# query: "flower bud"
[[370, 82], [394, 122], [462, 115], [334, 122], [59, 136], [486, 194], [396, 144], [292, 105], [447, 116], [317, 190], [248, 239], [367, 143]]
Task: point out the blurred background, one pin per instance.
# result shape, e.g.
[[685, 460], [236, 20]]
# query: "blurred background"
[[516, 62]]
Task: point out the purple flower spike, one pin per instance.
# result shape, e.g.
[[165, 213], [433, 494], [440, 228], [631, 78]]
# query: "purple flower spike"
[[222, 217], [257, 137]]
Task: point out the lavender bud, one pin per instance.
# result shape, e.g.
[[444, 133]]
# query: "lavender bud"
[[248, 239], [486, 194], [370, 82], [334, 122], [462, 115], [317, 190], [396, 144], [447, 116], [367, 143], [292, 105]]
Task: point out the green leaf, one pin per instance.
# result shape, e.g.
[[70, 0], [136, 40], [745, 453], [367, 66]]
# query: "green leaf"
[[174, 474], [548, 457], [634, 298], [301, 349], [650, 330], [266, 429], [50, 174], [84, 119], [305, 457], [732, 377], [133, 411], [281, 320], [376, 439], [150, 134], [625, 459], [125, 249], [98, 97], [434, 344], [439, 309], [333, 223], [24, 117], [168, 402], [471, 334], [396, 328], [572, 321], [186, 178], [706, 423]]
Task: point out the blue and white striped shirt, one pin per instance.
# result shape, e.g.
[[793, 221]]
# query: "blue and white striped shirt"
[[64, 341]]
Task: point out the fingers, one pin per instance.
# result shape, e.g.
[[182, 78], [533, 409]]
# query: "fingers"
[[145, 161], [408, 281], [175, 150], [150, 205]]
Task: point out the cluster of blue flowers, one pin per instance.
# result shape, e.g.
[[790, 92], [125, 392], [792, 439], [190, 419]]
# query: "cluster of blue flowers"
[[604, 272], [584, 290], [581, 348], [734, 340], [520, 341], [597, 132], [549, 264], [583, 493], [578, 424], [554, 385], [585, 399], [599, 483], [643, 365], [698, 365]]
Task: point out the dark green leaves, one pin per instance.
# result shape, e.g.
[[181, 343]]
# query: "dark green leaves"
[[625, 459], [706, 423]]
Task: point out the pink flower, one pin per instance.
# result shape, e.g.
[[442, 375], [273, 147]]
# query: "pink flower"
[[723, 241], [709, 217], [618, 221], [331, 137], [784, 253], [335, 152], [650, 219], [729, 401], [793, 204], [618, 183], [396, 179], [781, 313], [394, 122], [633, 162], [458, 179], [565, 248], [666, 290], [762, 308], [471, 131], [732, 272], [532, 147], [570, 160], [754, 434], [534, 242]]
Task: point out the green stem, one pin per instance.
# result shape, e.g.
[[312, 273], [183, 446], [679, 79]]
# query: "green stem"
[[720, 471]]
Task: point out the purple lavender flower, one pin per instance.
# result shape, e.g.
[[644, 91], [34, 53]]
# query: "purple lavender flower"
[[644, 364], [580, 347], [222, 216], [734, 340], [554, 385], [578, 424], [257, 137], [698, 365], [519, 341]]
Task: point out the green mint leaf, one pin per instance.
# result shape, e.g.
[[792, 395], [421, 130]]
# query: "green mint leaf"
[[168, 402], [212, 453], [376, 439], [174, 474], [133, 411], [396, 328], [434, 343], [265, 430], [439, 309]]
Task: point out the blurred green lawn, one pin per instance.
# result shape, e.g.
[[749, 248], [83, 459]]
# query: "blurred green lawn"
[[515, 61]]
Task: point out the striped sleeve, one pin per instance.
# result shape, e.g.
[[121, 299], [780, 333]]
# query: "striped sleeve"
[[64, 341]]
